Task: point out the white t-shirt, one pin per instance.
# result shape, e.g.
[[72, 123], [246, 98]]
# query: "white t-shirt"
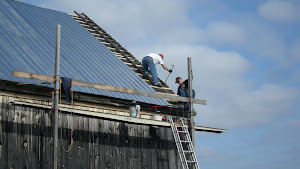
[[156, 58]]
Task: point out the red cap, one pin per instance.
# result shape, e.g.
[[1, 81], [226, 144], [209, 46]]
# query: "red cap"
[[162, 56]]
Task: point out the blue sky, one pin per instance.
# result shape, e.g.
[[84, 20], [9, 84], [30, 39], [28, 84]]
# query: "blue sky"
[[246, 62]]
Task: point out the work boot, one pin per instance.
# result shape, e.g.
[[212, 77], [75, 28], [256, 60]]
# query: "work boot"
[[158, 85]]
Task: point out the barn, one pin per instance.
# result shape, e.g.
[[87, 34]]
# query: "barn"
[[95, 128]]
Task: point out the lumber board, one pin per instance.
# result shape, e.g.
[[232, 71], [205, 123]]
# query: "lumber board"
[[110, 88]]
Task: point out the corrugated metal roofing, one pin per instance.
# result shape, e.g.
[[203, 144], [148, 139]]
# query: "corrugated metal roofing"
[[27, 43]]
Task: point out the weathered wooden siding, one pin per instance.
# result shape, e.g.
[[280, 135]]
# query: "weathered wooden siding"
[[26, 141]]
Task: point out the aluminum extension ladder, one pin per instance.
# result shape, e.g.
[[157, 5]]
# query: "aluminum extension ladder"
[[184, 144]]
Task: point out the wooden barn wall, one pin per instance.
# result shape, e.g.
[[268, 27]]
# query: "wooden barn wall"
[[26, 142]]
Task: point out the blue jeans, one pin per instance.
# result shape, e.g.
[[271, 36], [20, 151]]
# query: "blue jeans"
[[185, 93], [149, 65]]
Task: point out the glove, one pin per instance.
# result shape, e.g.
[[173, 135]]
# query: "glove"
[[171, 71]]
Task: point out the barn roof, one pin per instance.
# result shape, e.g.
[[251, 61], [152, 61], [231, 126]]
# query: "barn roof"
[[27, 43]]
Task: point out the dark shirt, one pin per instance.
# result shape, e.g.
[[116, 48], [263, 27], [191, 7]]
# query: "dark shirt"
[[184, 85]]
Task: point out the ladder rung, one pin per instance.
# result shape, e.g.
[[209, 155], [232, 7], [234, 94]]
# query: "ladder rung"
[[182, 132], [188, 151], [184, 141], [177, 122], [191, 161]]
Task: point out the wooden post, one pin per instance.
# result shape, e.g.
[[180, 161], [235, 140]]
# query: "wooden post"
[[191, 115], [56, 96]]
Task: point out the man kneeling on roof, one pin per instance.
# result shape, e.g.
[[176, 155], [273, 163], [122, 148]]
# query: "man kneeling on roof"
[[149, 63], [183, 90]]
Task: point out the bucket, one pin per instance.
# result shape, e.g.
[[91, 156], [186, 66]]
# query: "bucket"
[[157, 118], [132, 111]]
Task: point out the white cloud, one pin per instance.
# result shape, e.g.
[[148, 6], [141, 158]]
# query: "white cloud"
[[279, 11], [225, 32], [263, 41], [241, 107]]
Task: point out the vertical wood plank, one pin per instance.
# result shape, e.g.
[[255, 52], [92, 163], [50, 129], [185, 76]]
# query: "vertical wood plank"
[[74, 155], [139, 146], [105, 130], [134, 147], [41, 136], [153, 144], [80, 143], [127, 149], [42, 140], [171, 153], [5, 128], [12, 143], [2, 156], [28, 122], [159, 148], [164, 148], [101, 146], [26, 143], [59, 147], [145, 146], [96, 144], [112, 145], [64, 139], [123, 138], [48, 139], [37, 120], [86, 142], [18, 123], [35, 134], [70, 140], [91, 143], [131, 150], [117, 154]]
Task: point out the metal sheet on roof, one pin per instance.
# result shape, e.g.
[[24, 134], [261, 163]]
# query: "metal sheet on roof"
[[27, 43]]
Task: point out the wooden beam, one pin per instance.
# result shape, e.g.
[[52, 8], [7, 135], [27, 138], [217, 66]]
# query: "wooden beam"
[[33, 76], [209, 129], [109, 87]]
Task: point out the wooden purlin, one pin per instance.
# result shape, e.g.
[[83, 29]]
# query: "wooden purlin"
[[117, 49]]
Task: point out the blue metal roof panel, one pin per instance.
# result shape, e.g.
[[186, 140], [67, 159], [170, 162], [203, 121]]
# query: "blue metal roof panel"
[[27, 43]]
